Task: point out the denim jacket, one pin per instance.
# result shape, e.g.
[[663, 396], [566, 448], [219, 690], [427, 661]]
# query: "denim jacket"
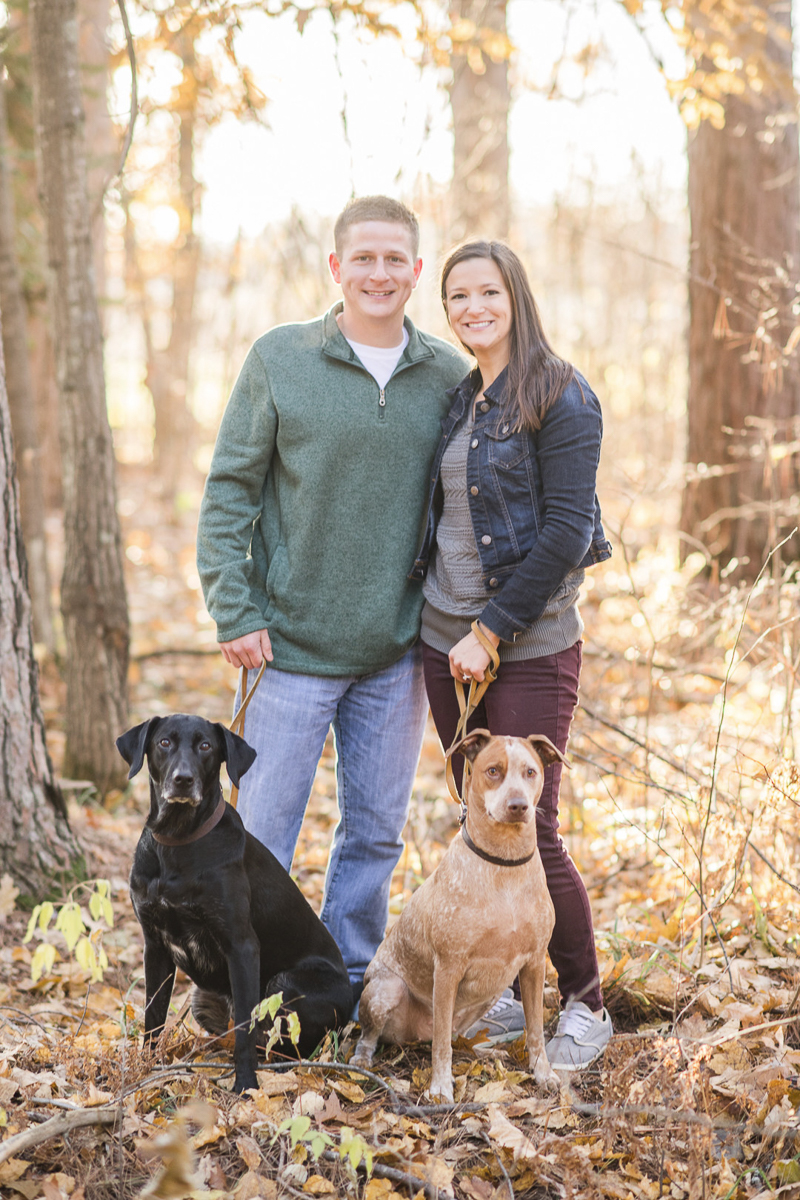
[[532, 499]]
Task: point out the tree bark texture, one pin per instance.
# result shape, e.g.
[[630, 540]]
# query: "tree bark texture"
[[21, 400], [744, 393], [480, 99], [36, 842], [93, 601]]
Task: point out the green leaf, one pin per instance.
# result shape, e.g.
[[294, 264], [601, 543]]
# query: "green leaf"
[[787, 1171]]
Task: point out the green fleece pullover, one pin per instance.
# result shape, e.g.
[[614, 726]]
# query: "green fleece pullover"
[[314, 503]]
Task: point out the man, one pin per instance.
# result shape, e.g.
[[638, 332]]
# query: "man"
[[308, 528]]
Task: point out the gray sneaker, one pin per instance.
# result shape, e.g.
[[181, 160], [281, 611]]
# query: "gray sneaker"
[[580, 1038], [504, 1021]]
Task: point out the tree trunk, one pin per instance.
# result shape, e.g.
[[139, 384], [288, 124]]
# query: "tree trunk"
[[744, 393], [93, 601], [480, 98], [168, 369], [36, 843], [21, 401], [94, 52]]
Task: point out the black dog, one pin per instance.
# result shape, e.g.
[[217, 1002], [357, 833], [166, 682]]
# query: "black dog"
[[218, 904]]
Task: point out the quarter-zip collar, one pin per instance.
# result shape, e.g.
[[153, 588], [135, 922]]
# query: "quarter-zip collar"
[[336, 345]]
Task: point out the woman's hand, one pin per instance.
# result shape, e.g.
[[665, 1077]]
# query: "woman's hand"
[[468, 659]]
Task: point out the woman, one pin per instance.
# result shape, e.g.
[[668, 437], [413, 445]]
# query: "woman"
[[513, 521]]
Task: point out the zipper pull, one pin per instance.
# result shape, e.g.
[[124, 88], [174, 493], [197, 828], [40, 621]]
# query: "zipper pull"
[[382, 403]]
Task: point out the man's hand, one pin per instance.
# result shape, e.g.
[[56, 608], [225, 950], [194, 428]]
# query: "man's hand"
[[248, 651]]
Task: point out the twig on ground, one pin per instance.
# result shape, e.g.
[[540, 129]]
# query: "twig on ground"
[[26, 1016], [55, 1127], [500, 1163], [394, 1176]]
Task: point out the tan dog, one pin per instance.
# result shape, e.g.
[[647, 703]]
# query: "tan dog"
[[475, 924]]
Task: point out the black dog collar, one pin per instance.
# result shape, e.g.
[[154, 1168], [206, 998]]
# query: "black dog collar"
[[492, 858], [205, 828]]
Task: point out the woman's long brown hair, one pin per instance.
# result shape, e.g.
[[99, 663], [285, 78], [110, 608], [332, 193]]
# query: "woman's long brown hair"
[[536, 375]]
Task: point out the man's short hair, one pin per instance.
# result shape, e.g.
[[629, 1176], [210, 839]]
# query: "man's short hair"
[[375, 208]]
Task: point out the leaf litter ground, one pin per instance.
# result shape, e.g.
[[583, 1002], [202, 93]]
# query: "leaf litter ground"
[[681, 812]]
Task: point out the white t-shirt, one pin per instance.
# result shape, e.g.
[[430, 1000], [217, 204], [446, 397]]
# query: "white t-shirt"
[[380, 361]]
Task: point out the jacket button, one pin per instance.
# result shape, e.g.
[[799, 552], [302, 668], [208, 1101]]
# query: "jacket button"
[[483, 407], [473, 491], [492, 583], [474, 443], [487, 541]]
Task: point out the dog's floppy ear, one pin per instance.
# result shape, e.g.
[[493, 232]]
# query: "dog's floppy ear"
[[547, 752], [471, 745], [133, 744], [239, 756]]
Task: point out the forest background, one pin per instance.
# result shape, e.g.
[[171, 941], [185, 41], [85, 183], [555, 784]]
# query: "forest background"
[[168, 178]]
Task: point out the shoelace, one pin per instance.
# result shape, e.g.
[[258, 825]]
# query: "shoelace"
[[574, 1023], [501, 1005]]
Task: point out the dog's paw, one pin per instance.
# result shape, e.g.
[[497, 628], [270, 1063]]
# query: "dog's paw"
[[245, 1080], [545, 1077], [440, 1093]]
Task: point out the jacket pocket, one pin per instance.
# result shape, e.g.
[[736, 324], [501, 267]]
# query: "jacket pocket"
[[507, 447]]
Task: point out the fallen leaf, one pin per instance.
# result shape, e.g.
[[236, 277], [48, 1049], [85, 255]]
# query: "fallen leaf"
[[12, 1168], [491, 1092], [8, 896], [509, 1137], [248, 1187], [309, 1104], [318, 1185], [350, 1091], [95, 1097], [476, 1189], [249, 1151], [274, 1083]]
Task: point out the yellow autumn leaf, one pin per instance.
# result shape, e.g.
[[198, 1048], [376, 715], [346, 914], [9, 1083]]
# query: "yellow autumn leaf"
[[350, 1091], [43, 961], [70, 923], [318, 1185]]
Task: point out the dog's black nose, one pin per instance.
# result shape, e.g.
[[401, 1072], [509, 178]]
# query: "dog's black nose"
[[182, 778], [517, 804]]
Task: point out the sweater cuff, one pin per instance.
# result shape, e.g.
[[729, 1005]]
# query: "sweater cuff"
[[499, 622]]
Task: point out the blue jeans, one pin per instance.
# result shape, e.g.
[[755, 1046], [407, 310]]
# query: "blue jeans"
[[378, 722]]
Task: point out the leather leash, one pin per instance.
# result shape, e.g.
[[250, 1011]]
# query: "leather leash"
[[237, 724], [467, 703]]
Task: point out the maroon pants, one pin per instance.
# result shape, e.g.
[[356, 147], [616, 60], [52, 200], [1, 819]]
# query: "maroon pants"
[[537, 695]]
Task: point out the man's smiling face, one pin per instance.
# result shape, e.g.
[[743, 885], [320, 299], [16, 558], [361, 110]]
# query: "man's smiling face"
[[377, 273]]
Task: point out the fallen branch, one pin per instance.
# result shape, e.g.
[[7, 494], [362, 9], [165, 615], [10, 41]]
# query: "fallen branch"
[[55, 1127], [413, 1182]]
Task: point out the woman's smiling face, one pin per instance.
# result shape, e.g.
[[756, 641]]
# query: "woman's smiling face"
[[479, 307]]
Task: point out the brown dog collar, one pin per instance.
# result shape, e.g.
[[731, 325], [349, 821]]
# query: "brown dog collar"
[[492, 858], [205, 828]]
